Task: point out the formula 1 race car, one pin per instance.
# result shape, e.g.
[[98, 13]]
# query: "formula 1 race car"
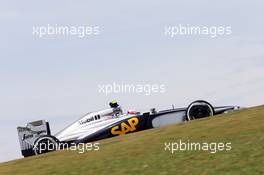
[[108, 123]]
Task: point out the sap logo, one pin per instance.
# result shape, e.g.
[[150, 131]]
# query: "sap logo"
[[124, 127]]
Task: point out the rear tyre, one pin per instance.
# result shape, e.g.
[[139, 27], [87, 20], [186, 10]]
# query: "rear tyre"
[[45, 144], [199, 109]]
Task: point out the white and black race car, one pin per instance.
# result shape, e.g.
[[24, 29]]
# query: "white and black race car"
[[108, 123]]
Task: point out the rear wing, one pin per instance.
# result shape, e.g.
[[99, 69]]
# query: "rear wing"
[[28, 135]]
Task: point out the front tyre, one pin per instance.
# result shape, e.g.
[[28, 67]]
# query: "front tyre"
[[45, 144], [199, 109]]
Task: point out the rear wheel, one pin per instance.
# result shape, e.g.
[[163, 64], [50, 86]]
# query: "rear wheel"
[[199, 109], [45, 144]]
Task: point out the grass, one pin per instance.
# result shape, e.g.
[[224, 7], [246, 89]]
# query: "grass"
[[144, 153]]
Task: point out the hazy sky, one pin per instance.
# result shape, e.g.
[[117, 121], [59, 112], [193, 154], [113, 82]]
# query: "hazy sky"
[[57, 78]]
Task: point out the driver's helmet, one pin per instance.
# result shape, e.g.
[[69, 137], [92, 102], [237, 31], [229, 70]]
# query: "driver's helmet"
[[117, 110], [113, 104]]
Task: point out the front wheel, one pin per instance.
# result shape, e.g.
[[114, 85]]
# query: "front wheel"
[[199, 109]]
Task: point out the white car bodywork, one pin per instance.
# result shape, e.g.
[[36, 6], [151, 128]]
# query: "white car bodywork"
[[91, 123]]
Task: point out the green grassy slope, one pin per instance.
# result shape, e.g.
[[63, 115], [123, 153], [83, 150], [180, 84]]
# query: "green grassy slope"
[[143, 152]]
